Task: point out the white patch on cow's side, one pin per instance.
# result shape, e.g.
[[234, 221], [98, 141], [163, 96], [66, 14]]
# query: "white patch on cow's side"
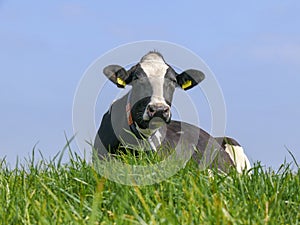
[[152, 145], [238, 156], [158, 137], [146, 132], [155, 68]]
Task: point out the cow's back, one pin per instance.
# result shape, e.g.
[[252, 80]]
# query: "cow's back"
[[207, 152]]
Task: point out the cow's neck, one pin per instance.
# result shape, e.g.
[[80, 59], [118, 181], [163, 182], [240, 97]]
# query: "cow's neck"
[[131, 123], [115, 130], [122, 121]]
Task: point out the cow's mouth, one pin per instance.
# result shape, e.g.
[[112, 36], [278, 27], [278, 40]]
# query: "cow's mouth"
[[144, 121], [150, 123], [154, 122]]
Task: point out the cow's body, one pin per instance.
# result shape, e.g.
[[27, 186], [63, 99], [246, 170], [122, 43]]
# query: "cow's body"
[[145, 112]]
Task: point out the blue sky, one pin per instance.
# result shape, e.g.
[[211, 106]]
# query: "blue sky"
[[253, 48]]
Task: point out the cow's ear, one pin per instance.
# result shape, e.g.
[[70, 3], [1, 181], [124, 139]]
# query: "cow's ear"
[[117, 74], [189, 78]]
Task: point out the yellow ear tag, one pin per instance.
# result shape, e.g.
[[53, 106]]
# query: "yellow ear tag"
[[186, 84], [121, 82]]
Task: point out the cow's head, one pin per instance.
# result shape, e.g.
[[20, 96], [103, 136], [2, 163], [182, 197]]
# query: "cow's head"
[[153, 84]]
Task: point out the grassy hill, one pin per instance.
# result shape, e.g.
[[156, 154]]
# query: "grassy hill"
[[49, 192]]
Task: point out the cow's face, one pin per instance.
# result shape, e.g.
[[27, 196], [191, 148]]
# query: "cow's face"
[[153, 84]]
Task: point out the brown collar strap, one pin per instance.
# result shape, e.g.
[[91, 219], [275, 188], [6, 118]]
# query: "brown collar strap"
[[130, 122]]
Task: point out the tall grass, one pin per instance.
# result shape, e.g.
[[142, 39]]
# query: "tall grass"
[[50, 192]]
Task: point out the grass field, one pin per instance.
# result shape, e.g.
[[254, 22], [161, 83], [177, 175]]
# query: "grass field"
[[49, 192]]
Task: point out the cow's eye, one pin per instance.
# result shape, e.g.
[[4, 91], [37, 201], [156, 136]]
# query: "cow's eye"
[[139, 76], [141, 79], [172, 81]]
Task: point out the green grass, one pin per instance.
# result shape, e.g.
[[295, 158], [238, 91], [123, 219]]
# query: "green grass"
[[49, 192]]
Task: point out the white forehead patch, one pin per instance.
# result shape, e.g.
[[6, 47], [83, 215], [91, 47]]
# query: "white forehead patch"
[[155, 68]]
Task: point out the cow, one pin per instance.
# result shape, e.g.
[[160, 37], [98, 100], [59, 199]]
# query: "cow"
[[144, 113]]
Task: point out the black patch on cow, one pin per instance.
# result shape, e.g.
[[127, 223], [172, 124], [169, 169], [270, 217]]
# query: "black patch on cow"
[[135, 72], [107, 135], [227, 140], [170, 84], [137, 112]]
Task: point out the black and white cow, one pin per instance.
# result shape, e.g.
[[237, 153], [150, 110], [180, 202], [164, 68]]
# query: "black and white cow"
[[145, 111]]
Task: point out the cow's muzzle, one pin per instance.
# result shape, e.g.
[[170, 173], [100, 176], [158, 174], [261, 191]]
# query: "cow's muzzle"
[[158, 110]]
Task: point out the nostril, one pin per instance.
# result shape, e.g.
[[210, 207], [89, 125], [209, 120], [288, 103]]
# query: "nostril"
[[166, 109], [151, 109], [158, 110]]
